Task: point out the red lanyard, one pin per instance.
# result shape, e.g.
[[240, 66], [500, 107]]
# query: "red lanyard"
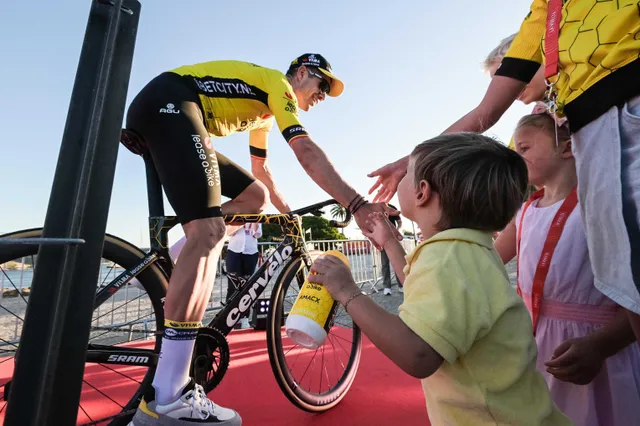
[[555, 231], [554, 16]]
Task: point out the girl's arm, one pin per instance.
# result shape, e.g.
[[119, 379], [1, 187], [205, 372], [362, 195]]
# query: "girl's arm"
[[505, 244]]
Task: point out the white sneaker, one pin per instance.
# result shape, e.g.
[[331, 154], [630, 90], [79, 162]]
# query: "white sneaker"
[[192, 408], [387, 292], [401, 289]]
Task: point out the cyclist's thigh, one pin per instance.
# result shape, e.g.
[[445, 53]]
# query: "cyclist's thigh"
[[234, 178], [167, 114]]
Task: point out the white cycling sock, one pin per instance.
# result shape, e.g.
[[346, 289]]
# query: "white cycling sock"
[[172, 373]]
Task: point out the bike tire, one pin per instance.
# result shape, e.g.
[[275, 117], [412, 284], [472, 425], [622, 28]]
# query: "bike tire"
[[119, 251], [300, 397]]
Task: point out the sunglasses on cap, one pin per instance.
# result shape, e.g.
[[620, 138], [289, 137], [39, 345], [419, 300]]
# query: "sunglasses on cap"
[[324, 85]]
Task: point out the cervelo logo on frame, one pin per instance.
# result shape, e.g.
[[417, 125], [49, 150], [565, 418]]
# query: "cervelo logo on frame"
[[209, 164], [276, 260], [170, 109]]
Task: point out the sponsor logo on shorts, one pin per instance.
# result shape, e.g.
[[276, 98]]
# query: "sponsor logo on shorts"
[[170, 109], [208, 162]]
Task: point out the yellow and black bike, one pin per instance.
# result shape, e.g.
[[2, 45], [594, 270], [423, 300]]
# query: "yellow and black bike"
[[127, 324]]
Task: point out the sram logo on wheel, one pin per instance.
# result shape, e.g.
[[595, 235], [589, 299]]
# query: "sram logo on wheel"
[[128, 358], [276, 260]]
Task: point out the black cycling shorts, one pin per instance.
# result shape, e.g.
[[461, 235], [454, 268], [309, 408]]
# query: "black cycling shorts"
[[167, 114]]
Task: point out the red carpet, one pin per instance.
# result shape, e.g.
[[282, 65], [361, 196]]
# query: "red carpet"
[[381, 394]]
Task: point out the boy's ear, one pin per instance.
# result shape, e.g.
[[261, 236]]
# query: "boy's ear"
[[424, 193]]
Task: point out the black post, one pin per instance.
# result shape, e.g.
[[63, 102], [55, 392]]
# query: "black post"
[[50, 362]]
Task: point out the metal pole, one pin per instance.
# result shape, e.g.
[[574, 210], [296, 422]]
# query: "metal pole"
[[47, 381]]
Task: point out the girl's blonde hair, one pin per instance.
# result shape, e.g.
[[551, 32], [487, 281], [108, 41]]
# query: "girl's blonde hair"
[[545, 122], [497, 54]]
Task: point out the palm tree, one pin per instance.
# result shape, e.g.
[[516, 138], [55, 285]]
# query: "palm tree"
[[338, 211]]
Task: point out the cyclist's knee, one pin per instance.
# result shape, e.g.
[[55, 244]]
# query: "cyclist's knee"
[[205, 233], [254, 199]]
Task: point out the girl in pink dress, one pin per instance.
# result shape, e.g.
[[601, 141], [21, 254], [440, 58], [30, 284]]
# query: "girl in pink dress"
[[586, 348]]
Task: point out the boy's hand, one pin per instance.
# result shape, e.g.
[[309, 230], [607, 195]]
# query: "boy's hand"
[[576, 361], [335, 276], [382, 231]]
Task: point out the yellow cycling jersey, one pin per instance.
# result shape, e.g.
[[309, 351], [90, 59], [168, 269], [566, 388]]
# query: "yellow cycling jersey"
[[238, 96], [599, 55]]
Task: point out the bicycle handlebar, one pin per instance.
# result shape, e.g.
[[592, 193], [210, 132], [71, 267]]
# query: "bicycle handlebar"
[[315, 210], [314, 207], [343, 224]]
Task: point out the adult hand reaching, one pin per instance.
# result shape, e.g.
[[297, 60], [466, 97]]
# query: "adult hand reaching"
[[382, 230], [366, 226], [389, 177]]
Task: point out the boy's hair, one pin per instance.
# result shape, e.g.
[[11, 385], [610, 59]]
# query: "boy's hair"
[[481, 182], [545, 122], [497, 54]]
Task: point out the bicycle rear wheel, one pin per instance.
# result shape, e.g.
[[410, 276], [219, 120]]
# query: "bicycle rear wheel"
[[295, 368], [126, 324]]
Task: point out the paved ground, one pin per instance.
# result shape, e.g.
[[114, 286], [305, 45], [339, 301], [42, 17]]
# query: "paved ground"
[[391, 303]]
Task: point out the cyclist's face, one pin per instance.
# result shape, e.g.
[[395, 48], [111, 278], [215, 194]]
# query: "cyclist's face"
[[311, 89]]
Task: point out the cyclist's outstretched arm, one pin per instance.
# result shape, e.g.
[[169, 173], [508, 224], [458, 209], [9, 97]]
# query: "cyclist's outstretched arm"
[[262, 172], [318, 166]]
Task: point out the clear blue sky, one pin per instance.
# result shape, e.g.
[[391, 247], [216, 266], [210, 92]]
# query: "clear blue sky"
[[411, 68]]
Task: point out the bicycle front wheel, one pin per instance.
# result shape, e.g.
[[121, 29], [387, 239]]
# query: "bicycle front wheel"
[[313, 380], [124, 341]]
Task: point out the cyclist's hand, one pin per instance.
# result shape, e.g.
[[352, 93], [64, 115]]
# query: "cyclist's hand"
[[332, 273], [362, 218], [382, 229], [389, 177]]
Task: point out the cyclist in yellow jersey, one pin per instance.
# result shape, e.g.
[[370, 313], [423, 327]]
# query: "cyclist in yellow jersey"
[[178, 114], [598, 91]]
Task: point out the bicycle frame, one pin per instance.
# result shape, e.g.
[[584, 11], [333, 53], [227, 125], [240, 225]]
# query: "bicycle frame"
[[293, 246]]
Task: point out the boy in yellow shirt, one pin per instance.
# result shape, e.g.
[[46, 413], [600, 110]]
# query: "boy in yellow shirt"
[[462, 328]]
